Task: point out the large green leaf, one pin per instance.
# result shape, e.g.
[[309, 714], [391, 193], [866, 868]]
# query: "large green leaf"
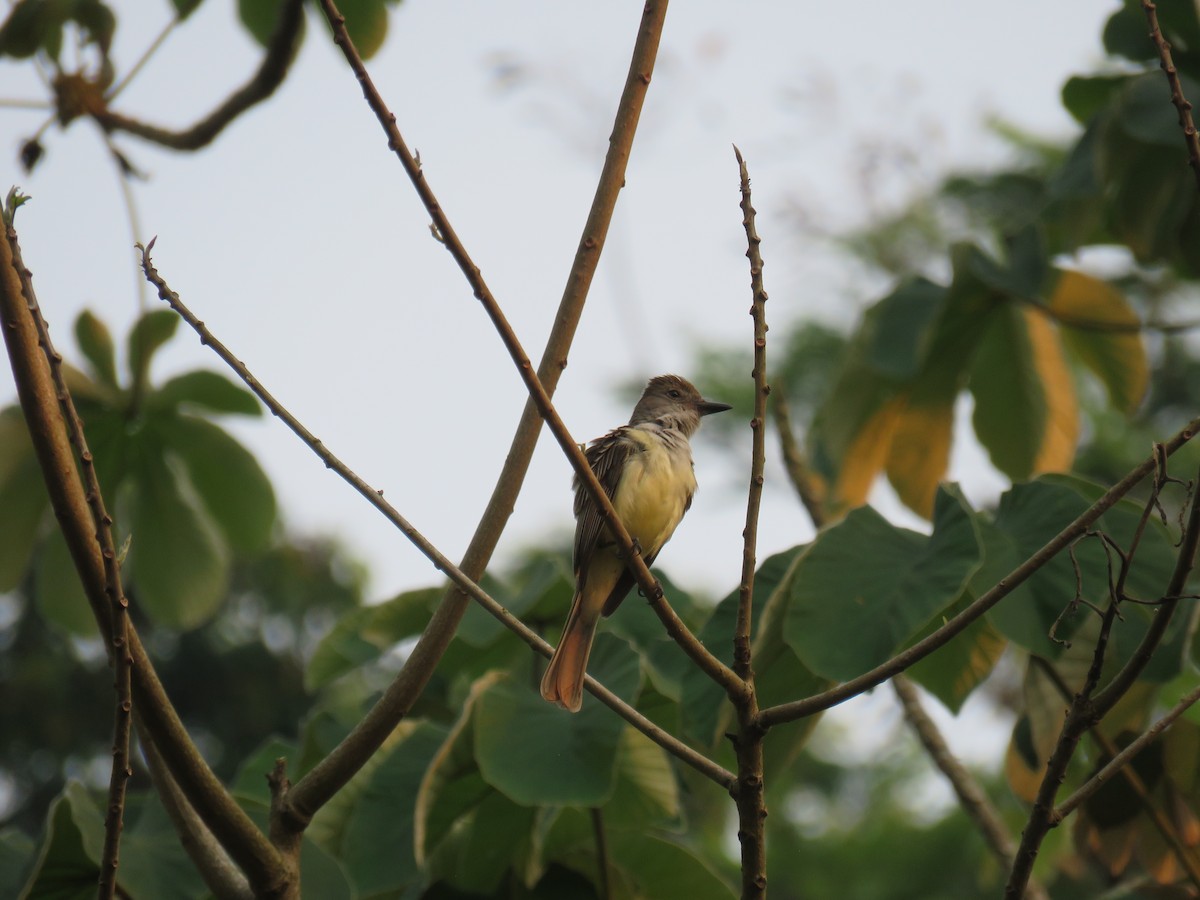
[[231, 485], [1026, 414], [864, 587], [646, 792], [538, 754], [63, 869], [149, 333], [363, 635], [16, 858], [178, 566], [206, 390], [377, 843], [496, 836], [57, 589], [452, 785], [96, 343], [955, 669], [647, 867]]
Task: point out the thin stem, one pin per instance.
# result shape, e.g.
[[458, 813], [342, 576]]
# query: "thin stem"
[[789, 712], [316, 787], [1088, 707], [446, 235], [1182, 106], [1166, 827], [749, 794], [741, 641]]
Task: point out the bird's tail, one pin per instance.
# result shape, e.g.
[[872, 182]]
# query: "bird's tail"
[[563, 681]]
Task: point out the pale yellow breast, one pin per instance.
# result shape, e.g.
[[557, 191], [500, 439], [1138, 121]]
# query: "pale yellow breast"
[[654, 490]]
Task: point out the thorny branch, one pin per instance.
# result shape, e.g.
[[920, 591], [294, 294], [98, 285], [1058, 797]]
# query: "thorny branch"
[[118, 623], [1182, 105], [749, 792]]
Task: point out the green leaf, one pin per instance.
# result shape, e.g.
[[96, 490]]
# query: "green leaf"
[[227, 478], [846, 617], [377, 845], [363, 635], [96, 344], [1084, 96], [1026, 412], [149, 333], [260, 17], [207, 390], [955, 669], [538, 754], [646, 792], [367, 24], [22, 498], [184, 8], [63, 870], [494, 837], [30, 25], [57, 590], [178, 565], [452, 785], [16, 857], [650, 866]]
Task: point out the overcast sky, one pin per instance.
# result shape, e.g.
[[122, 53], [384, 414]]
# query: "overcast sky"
[[298, 239]]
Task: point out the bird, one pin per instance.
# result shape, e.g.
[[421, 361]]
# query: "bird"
[[646, 470]]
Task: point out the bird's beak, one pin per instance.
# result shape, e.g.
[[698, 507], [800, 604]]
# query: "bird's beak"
[[708, 407]]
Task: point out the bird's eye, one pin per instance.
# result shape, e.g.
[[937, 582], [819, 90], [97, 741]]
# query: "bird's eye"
[[674, 394]]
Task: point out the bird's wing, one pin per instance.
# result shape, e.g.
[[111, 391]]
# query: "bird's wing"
[[606, 456]]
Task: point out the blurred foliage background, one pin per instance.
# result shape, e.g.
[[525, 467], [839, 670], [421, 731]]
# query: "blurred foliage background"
[[1046, 310]]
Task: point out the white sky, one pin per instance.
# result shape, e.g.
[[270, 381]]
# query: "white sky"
[[298, 239]]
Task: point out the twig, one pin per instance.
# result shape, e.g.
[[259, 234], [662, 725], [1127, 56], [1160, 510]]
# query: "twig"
[[789, 712], [741, 640], [1088, 708], [971, 796], [653, 591], [1120, 761], [1182, 106], [794, 462], [749, 793], [39, 402], [270, 74], [1166, 827], [332, 772], [118, 605]]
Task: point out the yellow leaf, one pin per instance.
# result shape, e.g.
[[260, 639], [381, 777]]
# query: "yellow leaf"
[[920, 452], [866, 455], [1060, 432], [1090, 312]]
